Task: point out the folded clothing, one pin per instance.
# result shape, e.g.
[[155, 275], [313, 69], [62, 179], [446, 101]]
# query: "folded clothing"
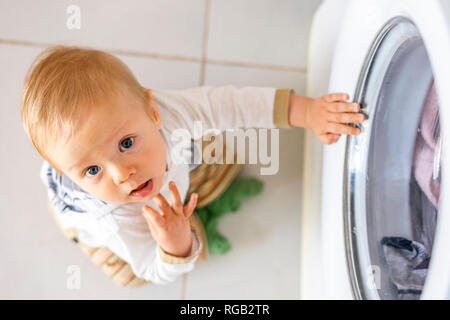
[[408, 264]]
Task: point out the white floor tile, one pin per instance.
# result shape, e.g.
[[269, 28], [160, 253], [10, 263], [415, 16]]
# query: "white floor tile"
[[261, 31], [264, 260], [265, 233]]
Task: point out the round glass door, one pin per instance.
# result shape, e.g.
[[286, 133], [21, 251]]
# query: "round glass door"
[[392, 173]]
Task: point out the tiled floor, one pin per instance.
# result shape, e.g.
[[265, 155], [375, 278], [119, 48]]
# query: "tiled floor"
[[167, 44]]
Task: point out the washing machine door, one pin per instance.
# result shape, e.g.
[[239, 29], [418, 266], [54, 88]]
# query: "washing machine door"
[[393, 170], [388, 224]]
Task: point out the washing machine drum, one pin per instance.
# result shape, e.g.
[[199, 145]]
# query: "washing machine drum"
[[393, 171]]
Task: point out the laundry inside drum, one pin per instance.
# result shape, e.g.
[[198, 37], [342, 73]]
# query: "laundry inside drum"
[[409, 208], [393, 172]]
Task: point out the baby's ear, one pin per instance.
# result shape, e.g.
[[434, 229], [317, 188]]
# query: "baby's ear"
[[154, 109]]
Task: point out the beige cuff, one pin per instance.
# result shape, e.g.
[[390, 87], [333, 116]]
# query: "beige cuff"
[[281, 108], [168, 258]]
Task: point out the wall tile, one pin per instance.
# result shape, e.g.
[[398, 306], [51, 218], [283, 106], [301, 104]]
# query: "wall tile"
[[164, 26], [261, 31]]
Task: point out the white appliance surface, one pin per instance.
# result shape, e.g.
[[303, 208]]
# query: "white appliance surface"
[[359, 25]]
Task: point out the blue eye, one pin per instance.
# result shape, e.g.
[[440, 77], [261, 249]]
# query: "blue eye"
[[92, 172], [127, 143]]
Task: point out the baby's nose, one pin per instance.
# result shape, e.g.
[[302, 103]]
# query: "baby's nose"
[[122, 173]]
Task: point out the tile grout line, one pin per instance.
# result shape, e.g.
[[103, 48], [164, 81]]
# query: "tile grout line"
[[160, 56], [256, 65], [206, 29], [132, 53], [201, 83], [184, 284]]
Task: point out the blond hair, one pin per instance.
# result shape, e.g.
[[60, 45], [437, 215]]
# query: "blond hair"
[[61, 83]]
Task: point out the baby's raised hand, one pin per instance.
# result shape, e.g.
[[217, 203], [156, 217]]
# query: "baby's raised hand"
[[328, 117], [171, 229]]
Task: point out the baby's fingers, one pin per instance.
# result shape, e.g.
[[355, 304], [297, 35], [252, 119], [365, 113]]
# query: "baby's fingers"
[[334, 137], [342, 107], [331, 97], [190, 206], [345, 117], [163, 205], [342, 129], [176, 199], [153, 218], [329, 138]]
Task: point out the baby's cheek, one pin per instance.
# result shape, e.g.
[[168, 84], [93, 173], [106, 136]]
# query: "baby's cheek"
[[157, 156], [105, 191]]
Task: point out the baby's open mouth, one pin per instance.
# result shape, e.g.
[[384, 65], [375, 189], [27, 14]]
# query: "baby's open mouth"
[[143, 190]]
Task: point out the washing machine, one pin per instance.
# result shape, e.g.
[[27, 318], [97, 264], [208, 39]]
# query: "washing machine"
[[376, 211]]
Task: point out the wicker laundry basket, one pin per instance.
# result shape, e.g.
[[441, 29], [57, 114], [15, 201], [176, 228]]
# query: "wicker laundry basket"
[[208, 179]]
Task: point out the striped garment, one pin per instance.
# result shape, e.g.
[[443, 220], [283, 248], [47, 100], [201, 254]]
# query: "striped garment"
[[67, 197]]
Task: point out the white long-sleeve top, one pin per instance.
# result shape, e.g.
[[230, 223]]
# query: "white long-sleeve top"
[[121, 226]]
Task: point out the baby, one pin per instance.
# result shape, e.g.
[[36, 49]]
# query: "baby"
[[106, 143]]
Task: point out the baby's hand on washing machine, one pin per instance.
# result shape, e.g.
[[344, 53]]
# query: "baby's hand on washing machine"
[[172, 229], [328, 116]]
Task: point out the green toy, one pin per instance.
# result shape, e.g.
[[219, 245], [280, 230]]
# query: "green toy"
[[228, 201]]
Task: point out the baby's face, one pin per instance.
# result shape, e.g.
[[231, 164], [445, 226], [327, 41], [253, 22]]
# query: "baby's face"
[[116, 149]]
